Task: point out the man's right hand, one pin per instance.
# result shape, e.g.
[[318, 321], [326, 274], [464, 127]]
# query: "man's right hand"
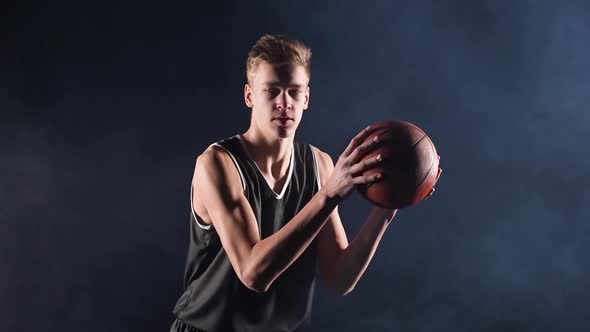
[[348, 171]]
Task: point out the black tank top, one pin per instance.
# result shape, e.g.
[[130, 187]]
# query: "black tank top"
[[214, 298]]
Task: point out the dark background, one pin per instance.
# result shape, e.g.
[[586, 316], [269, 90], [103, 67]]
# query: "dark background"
[[103, 110]]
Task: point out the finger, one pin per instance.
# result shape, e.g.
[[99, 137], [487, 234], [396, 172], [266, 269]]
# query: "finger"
[[430, 192], [362, 149], [367, 179], [365, 164], [357, 140]]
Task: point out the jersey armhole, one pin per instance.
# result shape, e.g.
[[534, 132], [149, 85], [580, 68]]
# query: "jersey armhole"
[[204, 226]]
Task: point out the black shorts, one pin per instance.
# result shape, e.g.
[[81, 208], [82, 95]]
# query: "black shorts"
[[179, 326]]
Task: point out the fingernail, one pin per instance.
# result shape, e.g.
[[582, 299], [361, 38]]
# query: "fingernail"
[[376, 139], [378, 157]]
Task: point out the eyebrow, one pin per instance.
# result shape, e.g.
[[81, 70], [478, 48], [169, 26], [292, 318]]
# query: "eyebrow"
[[297, 85]]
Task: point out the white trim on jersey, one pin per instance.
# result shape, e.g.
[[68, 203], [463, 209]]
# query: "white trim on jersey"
[[235, 163], [205, 227], [208, 227], [290, 171]]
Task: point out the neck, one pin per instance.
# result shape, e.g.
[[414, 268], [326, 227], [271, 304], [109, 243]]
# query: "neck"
[[272, 155]]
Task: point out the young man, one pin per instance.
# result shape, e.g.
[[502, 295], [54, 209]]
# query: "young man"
[[264, 210]]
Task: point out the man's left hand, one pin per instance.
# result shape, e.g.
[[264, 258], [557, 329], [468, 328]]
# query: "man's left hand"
[[437, 177]]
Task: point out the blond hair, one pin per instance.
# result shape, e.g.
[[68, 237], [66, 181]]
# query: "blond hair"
[[278, 50]]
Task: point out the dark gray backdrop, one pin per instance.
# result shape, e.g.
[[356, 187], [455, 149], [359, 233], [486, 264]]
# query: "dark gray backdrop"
[[104, 109]]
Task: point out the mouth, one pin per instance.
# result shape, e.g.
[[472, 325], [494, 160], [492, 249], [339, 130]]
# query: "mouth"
[[283, 121]]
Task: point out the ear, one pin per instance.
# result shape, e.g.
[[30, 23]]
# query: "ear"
[[248, 95], [306, 103]]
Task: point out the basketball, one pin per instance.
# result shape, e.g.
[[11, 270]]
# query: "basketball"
[[409, 167]]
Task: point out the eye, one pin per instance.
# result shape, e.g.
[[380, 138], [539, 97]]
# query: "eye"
[[272, 91], [295, 93]]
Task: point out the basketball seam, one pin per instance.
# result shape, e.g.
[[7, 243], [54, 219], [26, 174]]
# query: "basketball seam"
[[411, 149], [428, 172], [406, 125], [420, 140]]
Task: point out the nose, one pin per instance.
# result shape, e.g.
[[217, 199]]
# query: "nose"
[[284, 101]]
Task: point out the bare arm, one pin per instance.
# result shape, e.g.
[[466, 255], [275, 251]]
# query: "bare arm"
[[343, 264], [258, 262]]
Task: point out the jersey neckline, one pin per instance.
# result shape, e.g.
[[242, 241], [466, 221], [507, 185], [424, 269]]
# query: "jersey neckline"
[[289, 171]]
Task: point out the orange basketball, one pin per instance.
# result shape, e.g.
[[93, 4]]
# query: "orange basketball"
[[409, 167]]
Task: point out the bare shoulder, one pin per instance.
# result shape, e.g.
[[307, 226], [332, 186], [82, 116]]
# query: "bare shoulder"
[[215, 165], [324, 161], [212, 158], [323, 157]]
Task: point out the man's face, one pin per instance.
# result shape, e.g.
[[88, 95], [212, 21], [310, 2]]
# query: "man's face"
[[278, 95]]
